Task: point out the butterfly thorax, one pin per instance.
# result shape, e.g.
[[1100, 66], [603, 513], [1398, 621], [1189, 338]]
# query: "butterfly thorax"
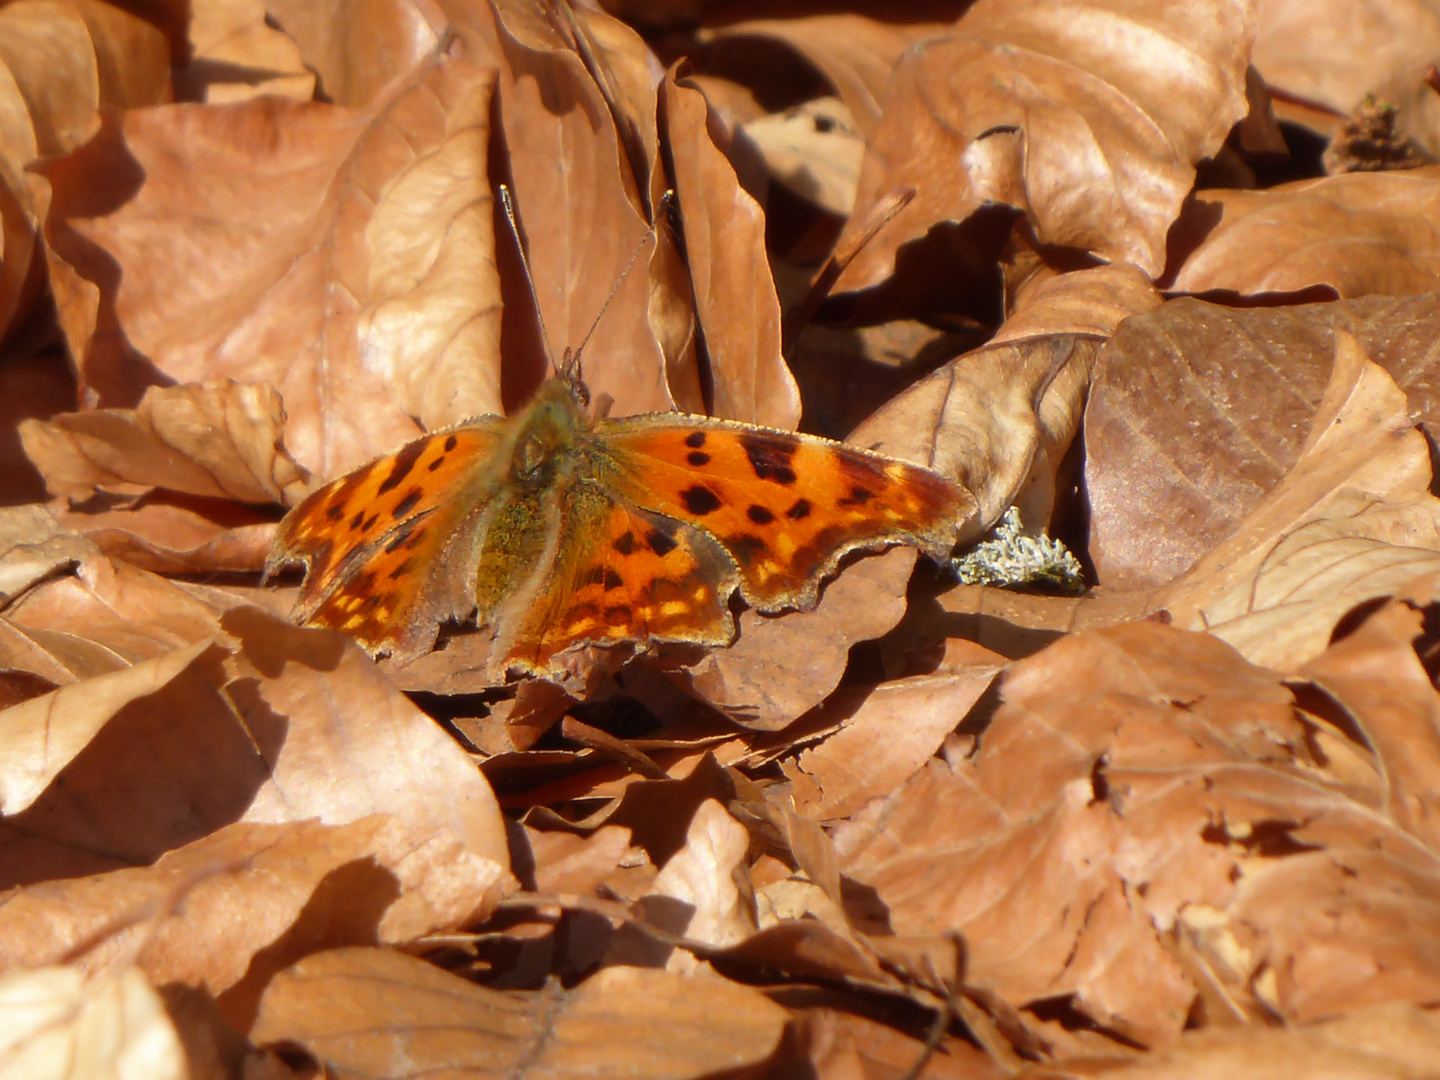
[[550, 428]]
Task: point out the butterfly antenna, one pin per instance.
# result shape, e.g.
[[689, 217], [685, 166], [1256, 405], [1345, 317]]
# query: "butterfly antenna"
[[508, 202], [662, 213]]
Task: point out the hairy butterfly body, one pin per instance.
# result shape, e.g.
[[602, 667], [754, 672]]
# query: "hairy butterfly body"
[[555, 528]]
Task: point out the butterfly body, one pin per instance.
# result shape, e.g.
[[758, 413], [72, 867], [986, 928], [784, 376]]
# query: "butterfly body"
[[556, 528]]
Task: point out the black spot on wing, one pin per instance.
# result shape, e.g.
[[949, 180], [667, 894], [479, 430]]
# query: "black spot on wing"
[[450, 443], [700, 500], [695, 440], [358, 521], [400, 571], [436, 463], [405, 505], [771, 455], [698, 457], [612, 580], [404, 462], [401, 536], [746, 548], [801, 509], [760, 515], [625, 543], [858, 496], [619, 615], [335, 513], [370, 522], [415, 538], [660, 543]]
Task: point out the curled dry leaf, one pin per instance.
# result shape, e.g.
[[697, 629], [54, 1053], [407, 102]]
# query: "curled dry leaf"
[[1358, 234], [228, 911], [886, 735], [1335, 53], [57, 1023], [1238, 390], [735, 301], [218, 441], [856, 52], [34, 547], [1088, 118], [583, 223], [378, 1013], [702, 876], [236, 55], [1144, 826], [295, 725], [58, 64], [277, 290], [813, 150], [1000, 418], [1375, 675], [1354, 519]]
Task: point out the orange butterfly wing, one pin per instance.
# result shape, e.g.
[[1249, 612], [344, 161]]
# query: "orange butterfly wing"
[[786, 507], [620, 575], [376, 543]]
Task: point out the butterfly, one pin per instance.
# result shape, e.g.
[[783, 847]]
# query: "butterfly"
[[560, 526]]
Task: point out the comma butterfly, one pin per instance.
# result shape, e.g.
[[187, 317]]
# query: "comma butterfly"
[[556, 527]]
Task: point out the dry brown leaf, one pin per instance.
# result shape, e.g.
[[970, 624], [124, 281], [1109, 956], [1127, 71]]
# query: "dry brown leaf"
[[735, 301], [58, 1024], [235, 55], [1145, 807], [378, 1013], [782, 667], [840, 1045], [886, 733], [702, 876], [228, 911], [218, 441], [1086, 117], [1000, 418], [1375, 676], [1239, 389], [297, 724], [1354, 519], [583, 223], [1335, 53], [33, 547], [1360, 233], [358, 47], [814, 150], [1385, 1042], [855, 51], [277, 290]]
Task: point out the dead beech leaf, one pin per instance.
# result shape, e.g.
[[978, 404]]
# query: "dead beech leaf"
[[277, 290], [236, 55], [1144, 808], [1239, 389], [217, 441], [856, 52], [228, 911], [33, 547], [1359, 233], [57, 1023], [358, 47], [813, 150], [1000, 418], [41, 736], [1353, 519], [1087, 117], [889, 733], [701, 875], [380, 1013], [1375, 676], [584, 222], [735, 301], [782, 667], [296, 725], [1384, 1042], [1335, 53], [840, 1044]]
